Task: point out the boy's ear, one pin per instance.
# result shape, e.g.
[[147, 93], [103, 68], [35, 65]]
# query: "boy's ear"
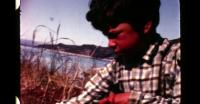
[[147, 27]]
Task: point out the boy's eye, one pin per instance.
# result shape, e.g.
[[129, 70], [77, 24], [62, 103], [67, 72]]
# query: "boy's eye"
[[113, 35]]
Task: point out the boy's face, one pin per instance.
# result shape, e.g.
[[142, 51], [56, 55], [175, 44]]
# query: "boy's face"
[[122, 38]]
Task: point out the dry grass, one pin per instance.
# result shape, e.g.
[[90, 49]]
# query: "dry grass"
[[40, 85], [43, 85]]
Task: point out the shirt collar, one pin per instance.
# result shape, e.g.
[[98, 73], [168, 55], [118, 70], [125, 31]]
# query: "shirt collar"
[[153, 49]]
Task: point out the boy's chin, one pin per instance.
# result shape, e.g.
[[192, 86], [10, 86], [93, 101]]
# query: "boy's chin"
[[119, 53]]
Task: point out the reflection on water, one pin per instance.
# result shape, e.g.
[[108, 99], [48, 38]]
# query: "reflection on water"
[[60, 58]]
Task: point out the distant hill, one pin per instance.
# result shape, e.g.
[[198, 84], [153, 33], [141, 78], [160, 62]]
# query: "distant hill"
[[86, 49], [29, 43]]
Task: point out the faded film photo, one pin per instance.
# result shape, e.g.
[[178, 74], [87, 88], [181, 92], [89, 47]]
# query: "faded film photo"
[[100, 52]]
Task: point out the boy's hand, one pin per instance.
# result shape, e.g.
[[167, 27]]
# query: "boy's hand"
[[120, 98]]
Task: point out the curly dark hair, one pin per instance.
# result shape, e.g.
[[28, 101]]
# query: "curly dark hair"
[[104, 13]]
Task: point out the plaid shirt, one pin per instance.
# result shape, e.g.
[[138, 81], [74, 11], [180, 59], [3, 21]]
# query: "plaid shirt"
[[157, 80]]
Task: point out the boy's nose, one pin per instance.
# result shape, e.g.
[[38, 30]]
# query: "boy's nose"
[[111, 43]]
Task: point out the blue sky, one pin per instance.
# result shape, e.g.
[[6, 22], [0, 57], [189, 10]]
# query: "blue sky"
[[70, 14]]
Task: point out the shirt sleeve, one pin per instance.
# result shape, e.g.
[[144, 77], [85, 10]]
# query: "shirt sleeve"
[[172, 86], [95, 89]]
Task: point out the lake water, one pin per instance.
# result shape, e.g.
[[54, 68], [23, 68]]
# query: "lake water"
[[64, 58]]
